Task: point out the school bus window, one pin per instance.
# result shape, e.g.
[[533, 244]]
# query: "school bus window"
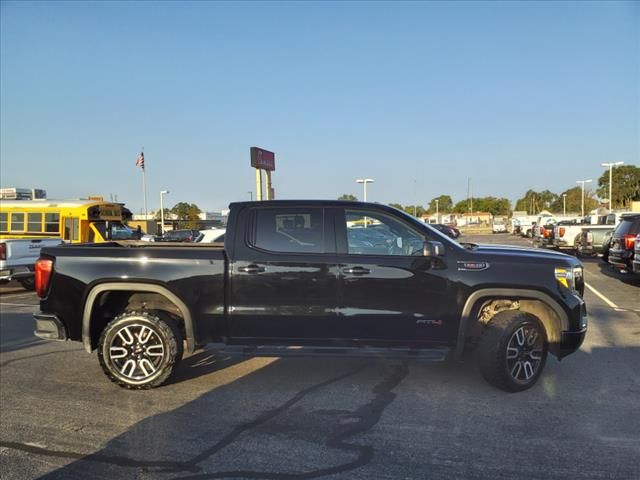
[[52, 222], [17, 222], [34, 222], [4, 222]]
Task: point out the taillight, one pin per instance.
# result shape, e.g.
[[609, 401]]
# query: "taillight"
[[44, 267], [541, 230], [3, 251], [562, 230], [628, 241]]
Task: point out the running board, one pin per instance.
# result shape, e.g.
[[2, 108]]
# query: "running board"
[[425, 354]]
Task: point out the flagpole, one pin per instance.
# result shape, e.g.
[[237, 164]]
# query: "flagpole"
[[144, 188]]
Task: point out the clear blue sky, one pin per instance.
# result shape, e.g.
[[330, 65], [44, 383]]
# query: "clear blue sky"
[[418, 96]]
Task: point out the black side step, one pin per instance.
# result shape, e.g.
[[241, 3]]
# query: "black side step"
[[424, 354]]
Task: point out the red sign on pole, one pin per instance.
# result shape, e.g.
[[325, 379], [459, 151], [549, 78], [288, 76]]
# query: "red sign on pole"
[[263, 159]]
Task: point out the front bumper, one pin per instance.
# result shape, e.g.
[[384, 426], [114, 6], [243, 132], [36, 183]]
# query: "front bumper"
[[49, 327], [570, 341]]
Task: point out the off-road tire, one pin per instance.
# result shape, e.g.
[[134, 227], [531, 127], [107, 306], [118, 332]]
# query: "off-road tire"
[[28, 283], [139, 350], [512, 350]]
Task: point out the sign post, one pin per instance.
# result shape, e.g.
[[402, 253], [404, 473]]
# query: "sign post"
[[263, 160]]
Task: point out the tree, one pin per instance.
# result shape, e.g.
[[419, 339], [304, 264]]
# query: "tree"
[[188, 212], [167, 211], [347, 196], [533, 202], [626, 185], [493, 205], [445, 204]]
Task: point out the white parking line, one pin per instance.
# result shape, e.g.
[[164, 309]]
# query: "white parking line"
[[602, 297], [2, 304]]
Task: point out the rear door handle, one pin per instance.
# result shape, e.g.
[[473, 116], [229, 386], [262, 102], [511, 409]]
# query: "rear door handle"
[[356, 270], [251, 269]]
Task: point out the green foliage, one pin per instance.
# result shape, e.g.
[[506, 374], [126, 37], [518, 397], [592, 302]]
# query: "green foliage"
[[347, 196], [396, 205], [186, 211], [445, 204], [574, 201], [167, 212], [626, 185], [533, 202], [415, 210], [493, 205]]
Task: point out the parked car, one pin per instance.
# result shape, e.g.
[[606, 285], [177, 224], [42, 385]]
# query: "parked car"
[[286, 282], [542, 232], [621, 252], [212, 235], [566, 234], [498, 227], [636, 256], [180, 236], [448, 230]]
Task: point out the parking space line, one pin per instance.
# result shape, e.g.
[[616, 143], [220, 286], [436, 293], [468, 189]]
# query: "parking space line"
[[602, 297], [3, 304]]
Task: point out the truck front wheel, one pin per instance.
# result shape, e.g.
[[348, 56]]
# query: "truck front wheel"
[[512, 350], [139, 350]]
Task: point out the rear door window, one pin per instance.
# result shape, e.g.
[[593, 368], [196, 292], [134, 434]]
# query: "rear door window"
[[289, 230]]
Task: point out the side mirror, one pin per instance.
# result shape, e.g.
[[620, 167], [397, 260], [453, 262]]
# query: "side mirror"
[[433, 249]]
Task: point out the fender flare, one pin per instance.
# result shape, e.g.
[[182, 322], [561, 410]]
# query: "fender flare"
[[135, 287], [465, 318]]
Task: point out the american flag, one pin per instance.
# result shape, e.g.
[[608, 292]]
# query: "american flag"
[[140, 160]]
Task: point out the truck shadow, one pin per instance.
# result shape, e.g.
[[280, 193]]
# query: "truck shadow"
[[306, 418], [628, 278]]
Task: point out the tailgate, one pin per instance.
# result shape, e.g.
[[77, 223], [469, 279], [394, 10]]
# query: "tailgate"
[[26, 252]]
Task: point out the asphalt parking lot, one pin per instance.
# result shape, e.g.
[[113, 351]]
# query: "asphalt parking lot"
[[224, 417]]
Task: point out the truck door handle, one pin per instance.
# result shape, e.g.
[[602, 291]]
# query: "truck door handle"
[[356, 270], [251, 269]]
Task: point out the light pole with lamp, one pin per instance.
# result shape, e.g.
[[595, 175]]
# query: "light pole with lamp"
[[364, 182], [162, 194], [611, 165], [582, 182], [564, 204], [437, 210]]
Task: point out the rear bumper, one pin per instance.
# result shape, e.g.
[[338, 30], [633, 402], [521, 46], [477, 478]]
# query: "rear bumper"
[[49, 327], [14, 273], [621, 259]]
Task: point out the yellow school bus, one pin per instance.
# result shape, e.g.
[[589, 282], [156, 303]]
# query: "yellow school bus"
[[75, 221]]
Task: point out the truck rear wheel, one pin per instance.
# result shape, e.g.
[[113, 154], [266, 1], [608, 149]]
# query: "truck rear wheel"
[[28, 283], [139, 350], [513, 350]]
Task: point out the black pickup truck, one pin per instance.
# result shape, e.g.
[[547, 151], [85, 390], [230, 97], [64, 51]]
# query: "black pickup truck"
[[314, 278]]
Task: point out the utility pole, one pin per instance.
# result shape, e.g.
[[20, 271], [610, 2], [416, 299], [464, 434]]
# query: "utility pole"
[[611, 165], [582, 182]]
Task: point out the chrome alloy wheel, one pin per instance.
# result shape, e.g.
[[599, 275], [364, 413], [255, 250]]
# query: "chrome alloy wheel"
[[136, 352], [525, 352]]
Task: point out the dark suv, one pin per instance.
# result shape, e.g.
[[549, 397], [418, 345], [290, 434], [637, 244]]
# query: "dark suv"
[[181, 236], [621, 250]]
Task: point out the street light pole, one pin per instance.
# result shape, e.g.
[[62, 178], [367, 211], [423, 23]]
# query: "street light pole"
[[611, 165], [582, 182], [564, 204], [162, 194], [250, 196], [364, 182], [437, 210]]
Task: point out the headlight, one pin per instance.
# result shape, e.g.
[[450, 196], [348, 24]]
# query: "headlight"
[[569, 276]]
